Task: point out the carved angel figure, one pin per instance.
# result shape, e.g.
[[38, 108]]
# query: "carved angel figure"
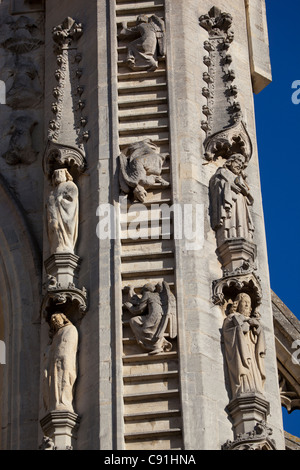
[[60, 364], [230, 200], [140, 168], [153, 315], [148, 45], [244, 348], [62, 213]]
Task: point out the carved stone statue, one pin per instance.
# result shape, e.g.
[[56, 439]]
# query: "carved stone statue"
[[148, 45], [62, 213], [230, 200], [140, 168], [152, 315], [244, 348], [60, 369]]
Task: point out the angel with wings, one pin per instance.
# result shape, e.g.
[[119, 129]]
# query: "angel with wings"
[[148, 43], [153, 316]]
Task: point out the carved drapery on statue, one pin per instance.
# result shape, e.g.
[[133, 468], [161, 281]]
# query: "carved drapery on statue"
[[60, 365], [153, 316], [140, 168], [244, 348], [62, 213], [147, 42], [238, 291]]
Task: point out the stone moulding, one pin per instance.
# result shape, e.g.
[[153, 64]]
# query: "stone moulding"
[[63, 156], [70, 300], [61, 428], [232, 284]]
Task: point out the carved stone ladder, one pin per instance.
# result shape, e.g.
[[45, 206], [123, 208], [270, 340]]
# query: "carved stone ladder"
[[152, 414]]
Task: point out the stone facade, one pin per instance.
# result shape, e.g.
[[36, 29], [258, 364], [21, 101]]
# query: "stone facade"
[[119, 334]]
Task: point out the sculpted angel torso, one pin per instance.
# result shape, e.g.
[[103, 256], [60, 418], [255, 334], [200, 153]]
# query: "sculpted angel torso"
[[148, 45], [151, 315], [62, 213]]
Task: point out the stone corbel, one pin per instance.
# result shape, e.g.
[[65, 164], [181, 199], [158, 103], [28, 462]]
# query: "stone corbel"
[[227, 288], [63, 156], [256, 439], [60, 429]]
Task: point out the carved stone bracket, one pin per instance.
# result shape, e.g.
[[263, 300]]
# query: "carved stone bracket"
[[69, 300], [225, 130], [229, 286], [63, 156], [258, 439], [60, 427]]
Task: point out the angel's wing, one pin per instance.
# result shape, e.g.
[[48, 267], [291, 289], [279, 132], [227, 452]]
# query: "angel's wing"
[[168, 303], [158, 25]]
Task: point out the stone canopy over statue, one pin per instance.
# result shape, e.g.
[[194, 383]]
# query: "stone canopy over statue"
[[148, 43], [152, 315]]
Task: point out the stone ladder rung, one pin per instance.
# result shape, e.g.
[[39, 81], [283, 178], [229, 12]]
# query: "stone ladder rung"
[[144, 116], [152, 435], [150, 396], [144, 357], [132, 76], [142, 103], [150, 377], [152, 415], [147, 273], [138, 9], [147, 256], [122, 90]]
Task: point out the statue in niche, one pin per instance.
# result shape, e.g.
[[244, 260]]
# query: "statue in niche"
[[230, 200], [20, 149], [60, 365], [152, 315], [244, 347], [149, 44], [140, 168], [62, 213]]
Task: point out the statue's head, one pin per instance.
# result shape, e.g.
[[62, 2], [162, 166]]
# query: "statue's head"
[[58, 320], [236, 163], [142, 19], [61, 176], [149, 288], [243, 304]]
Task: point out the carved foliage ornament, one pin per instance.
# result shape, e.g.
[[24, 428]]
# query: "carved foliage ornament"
[[224, 127]]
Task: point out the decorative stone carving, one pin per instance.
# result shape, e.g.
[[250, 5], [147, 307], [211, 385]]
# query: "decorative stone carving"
[[140, 168], [60, 370], [152, 316], [63, 156], [23, 86], [225, 130], [245, 348], [230, 198], [61, 427], [68, 90], [47, 444], [258, 439], [62, 213], [24, 35], [148, 43], [20, 149]]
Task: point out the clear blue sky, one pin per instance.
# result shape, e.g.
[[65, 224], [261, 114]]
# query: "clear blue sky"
[[278, 132]]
